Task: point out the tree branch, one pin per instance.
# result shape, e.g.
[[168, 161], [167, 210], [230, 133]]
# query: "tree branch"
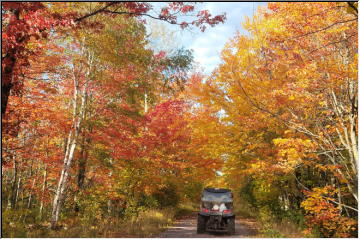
[[341, 204], [325, 28], [351, 4], [332, 43], [326, 198], [96, 12], [141, 14]]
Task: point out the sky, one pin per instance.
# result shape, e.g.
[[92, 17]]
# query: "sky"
[[207, 45]]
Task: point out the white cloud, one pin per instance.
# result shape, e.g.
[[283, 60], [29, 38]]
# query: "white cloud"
[[207, 45]]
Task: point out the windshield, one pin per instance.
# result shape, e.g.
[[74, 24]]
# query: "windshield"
[[216, 197]]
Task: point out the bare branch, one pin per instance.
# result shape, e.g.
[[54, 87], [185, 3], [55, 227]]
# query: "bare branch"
[[332, 43], [96, 12], [325, 28], [141, 14]]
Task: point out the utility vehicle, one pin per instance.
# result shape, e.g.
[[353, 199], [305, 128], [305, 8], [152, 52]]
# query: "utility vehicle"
[[216, 211]]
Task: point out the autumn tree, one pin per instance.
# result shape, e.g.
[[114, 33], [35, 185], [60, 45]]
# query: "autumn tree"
[[287, 101], [25, 23], [90, 88]]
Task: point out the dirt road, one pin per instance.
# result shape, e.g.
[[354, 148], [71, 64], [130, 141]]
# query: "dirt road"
[[186, 228]]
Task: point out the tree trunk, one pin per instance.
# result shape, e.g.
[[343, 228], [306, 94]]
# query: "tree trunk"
[[78, 116], [145, 103], [5, 93], [82, 168], [43, 193], [12, 197], [60, 191], [82, 162], [17, 190], [84, 154], [7, 73], [30, 196]]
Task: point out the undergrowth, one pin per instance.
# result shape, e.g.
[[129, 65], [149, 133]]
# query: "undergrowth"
[[147, 223], [289, 225]]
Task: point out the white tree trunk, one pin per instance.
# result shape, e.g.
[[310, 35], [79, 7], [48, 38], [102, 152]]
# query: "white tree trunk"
[[72, 141], [79, 109], [43, 193]]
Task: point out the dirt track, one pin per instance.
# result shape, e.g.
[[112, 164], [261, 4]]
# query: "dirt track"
[[186, 228]]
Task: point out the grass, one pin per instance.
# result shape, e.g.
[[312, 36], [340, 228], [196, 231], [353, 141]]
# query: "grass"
[[284, 229], [266, 225], [185, 209], [149, 223]]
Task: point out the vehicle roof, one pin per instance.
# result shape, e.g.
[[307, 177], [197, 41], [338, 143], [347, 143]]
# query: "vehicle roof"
[[217, 190]]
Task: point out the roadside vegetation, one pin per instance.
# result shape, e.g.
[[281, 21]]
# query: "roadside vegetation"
[[145, 223]]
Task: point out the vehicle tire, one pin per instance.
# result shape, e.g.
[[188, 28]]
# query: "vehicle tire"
[[231, 226], [201, 223]]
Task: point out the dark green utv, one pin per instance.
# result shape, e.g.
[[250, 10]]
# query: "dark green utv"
[[216, 211]]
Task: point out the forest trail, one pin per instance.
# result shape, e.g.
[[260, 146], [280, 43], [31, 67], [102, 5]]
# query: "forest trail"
[[186, 228]]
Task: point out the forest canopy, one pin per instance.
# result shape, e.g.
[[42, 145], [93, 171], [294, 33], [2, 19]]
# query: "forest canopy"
[[98, 126]]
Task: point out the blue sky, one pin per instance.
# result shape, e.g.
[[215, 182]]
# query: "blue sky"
[[208, 45]]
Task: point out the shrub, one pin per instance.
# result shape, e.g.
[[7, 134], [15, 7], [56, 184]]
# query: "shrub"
[[167, 196]]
